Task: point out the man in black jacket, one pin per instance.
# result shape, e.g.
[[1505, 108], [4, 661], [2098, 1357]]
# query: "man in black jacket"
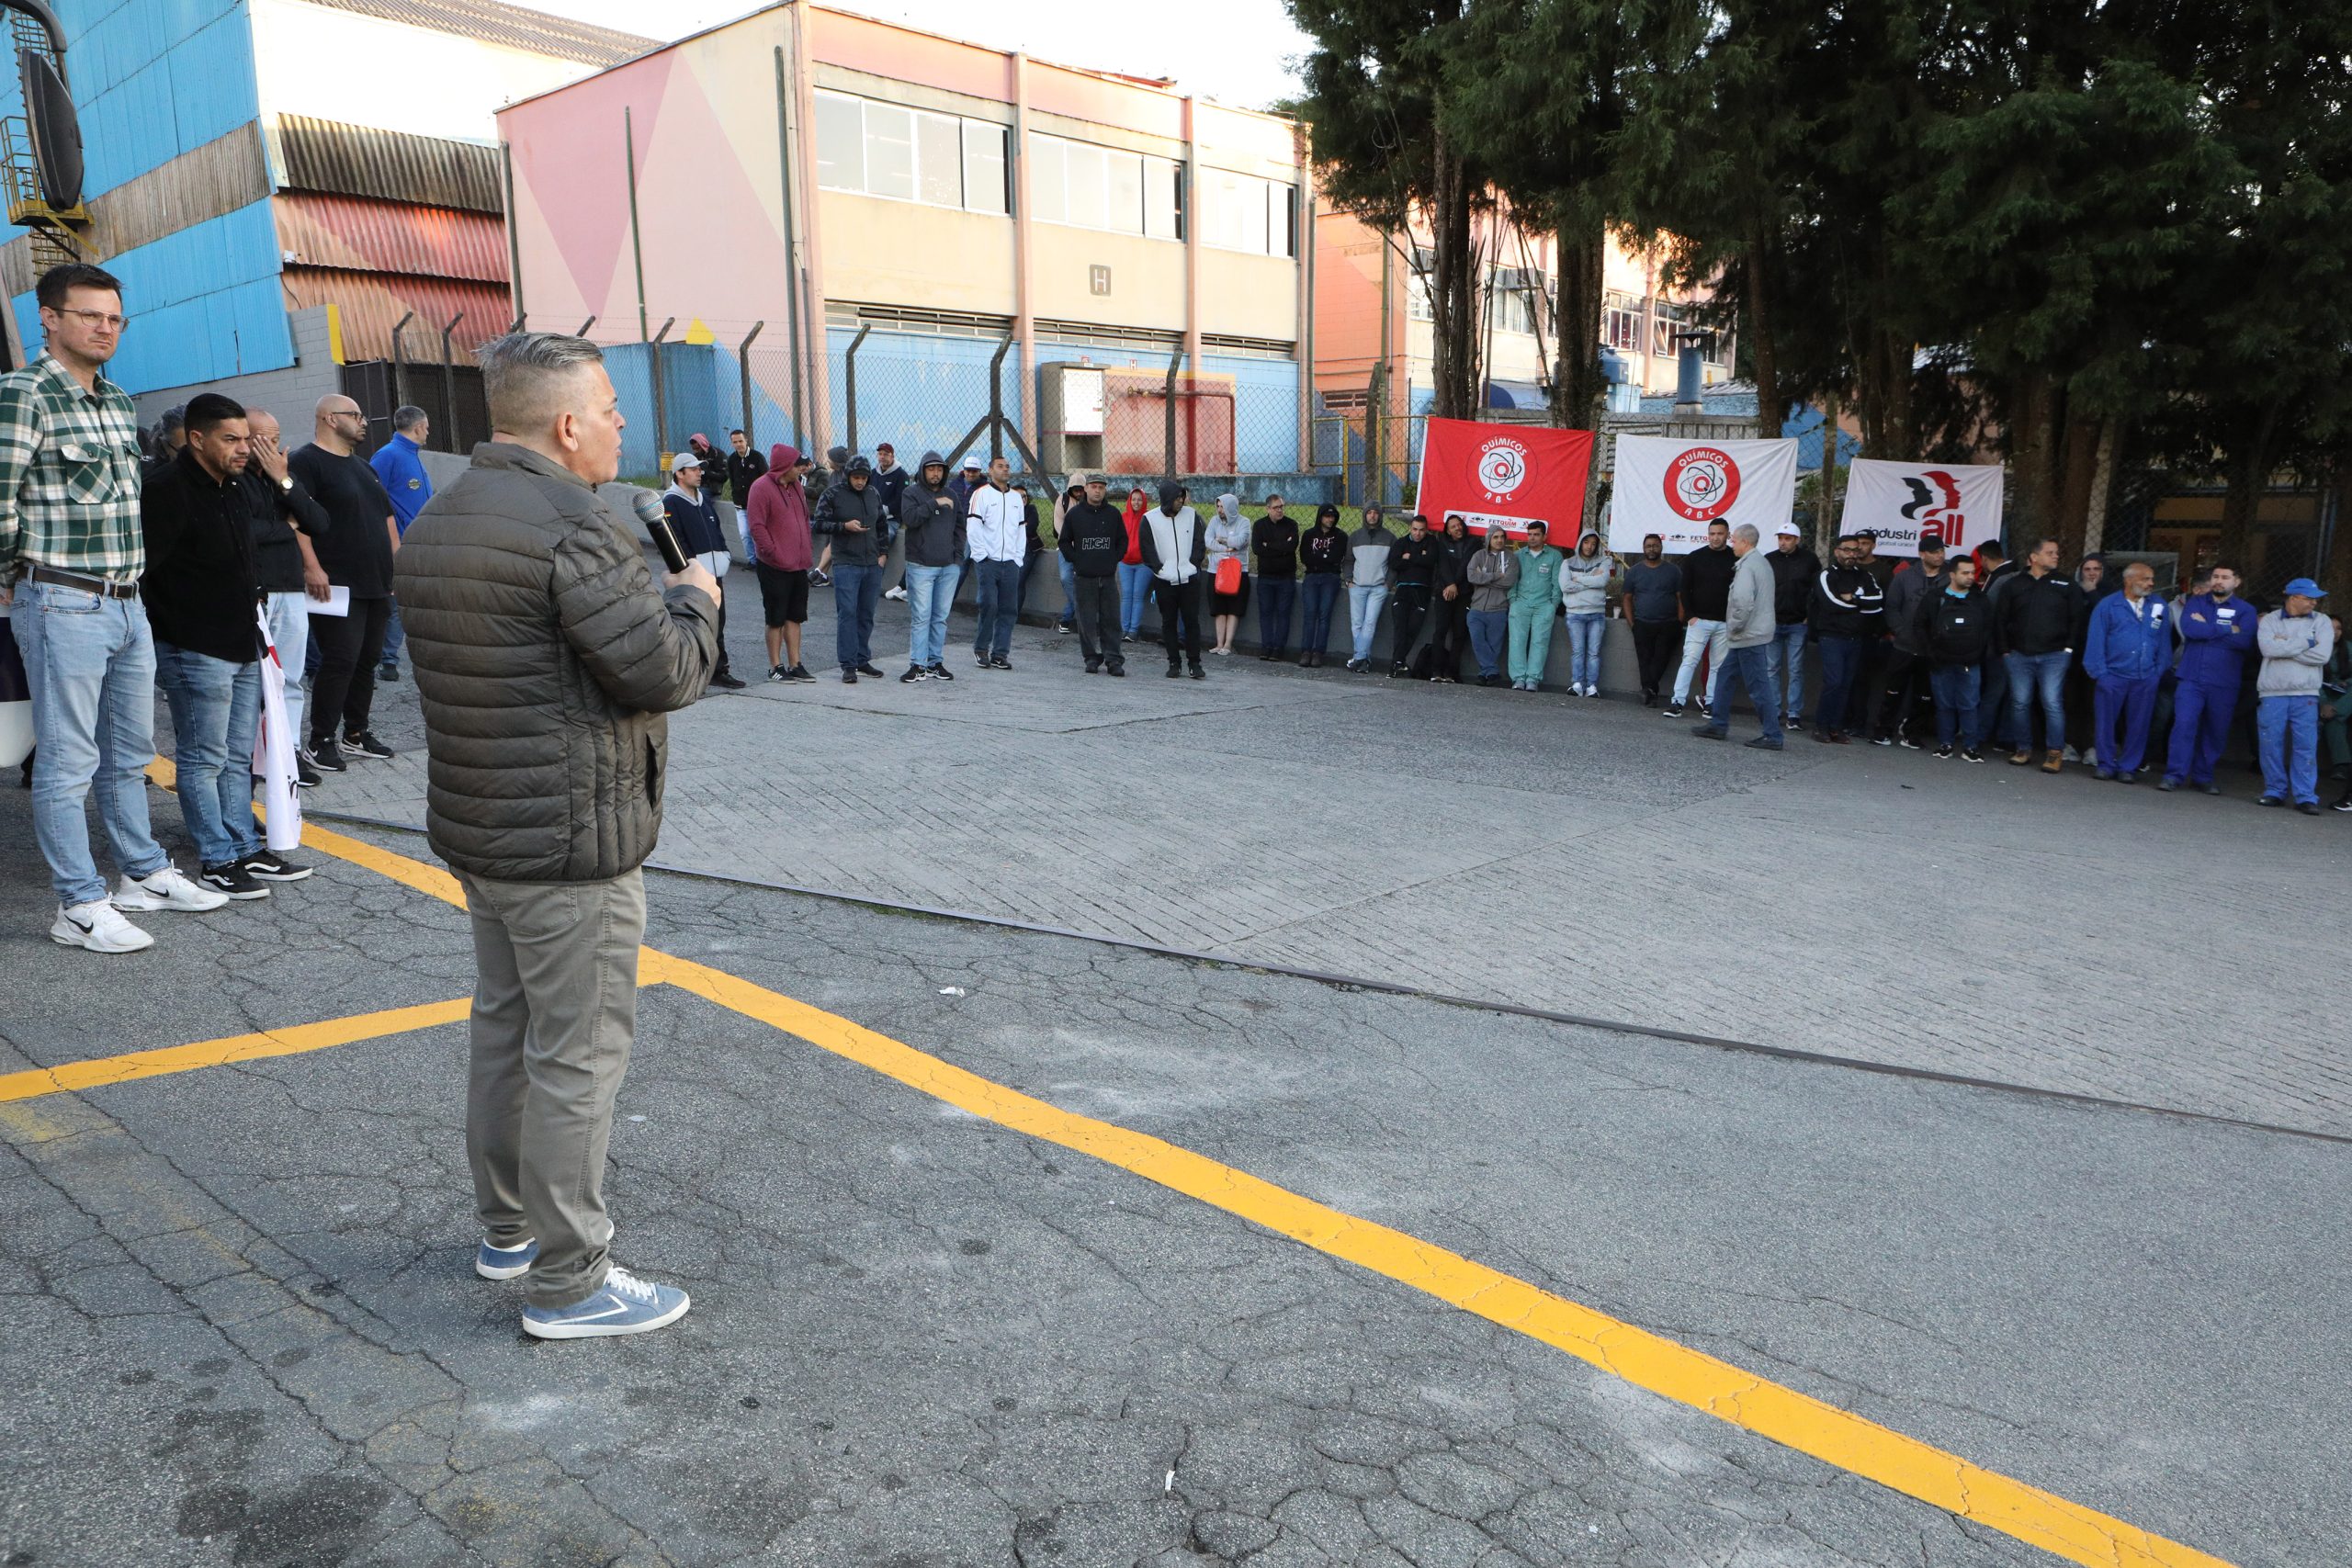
[[1706, 598], [1175, 547], [1953, 627], [1094, 538], [1273, 538], [207, 620], [286, 565], [1845, 616], [1913, 583], [2039, 616], [743, 466], [1412, 561], [1794, 570]]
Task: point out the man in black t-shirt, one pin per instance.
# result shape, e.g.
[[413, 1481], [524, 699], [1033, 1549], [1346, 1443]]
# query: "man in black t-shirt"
[[357, 552], [286, 565]]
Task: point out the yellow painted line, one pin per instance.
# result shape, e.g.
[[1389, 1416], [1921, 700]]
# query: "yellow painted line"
[[293, 1042], [1647, 1361]]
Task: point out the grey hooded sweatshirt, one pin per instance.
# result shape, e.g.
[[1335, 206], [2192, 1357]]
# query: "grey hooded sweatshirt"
[[929, 513], [1584, 583]]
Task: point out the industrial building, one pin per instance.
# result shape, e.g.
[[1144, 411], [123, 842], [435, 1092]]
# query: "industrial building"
[[281, 183], [898, 210]]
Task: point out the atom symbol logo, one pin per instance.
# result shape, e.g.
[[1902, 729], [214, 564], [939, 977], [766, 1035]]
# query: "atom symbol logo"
[[1502, 468], [1702, 483]]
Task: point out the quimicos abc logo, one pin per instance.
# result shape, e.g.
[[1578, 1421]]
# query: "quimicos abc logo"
[[1702, 483]]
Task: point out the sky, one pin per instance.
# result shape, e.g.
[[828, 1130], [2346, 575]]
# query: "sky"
[[1237, 51]]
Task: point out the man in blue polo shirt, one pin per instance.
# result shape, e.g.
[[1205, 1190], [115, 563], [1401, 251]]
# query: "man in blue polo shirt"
[[399, 464]]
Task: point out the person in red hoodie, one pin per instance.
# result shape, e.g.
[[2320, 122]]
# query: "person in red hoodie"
[[780, 541], [1135, 578]]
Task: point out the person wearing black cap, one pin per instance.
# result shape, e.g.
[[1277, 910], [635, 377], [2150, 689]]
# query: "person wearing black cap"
[[1176, 547], [852, 517], [1092, 539], [1323, 552]]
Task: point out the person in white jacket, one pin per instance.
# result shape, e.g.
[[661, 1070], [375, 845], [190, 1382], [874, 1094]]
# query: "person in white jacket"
[[1584, 594], [1228, 538], [1175, 547], [997, 542]]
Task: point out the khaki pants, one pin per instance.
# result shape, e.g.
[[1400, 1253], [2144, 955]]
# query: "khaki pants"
[[555, 1010]]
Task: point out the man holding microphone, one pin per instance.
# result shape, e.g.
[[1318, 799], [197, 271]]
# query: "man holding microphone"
[[546, 655]]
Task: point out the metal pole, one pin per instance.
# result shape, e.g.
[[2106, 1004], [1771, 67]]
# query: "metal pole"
[[449, 382], [996, 397], [743, 364], [661, 410], [795, 343], [1174, 361], [400, 361], [636, 240], [585, 326], [514, 233], [849, 381], [517, 324]]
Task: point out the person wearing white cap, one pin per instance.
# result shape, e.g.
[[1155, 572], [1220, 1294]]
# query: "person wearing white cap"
[[694, 512], [1794, 571], [2295, 640]]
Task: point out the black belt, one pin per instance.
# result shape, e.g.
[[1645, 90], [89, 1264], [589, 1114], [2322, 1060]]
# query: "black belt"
[[86, 583]]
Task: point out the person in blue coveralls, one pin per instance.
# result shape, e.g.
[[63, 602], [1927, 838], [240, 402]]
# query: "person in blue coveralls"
[[2128, 648], [2216, 629], [400, 465]]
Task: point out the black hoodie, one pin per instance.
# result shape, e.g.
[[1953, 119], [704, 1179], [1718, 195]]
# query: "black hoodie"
[[1094, 538]]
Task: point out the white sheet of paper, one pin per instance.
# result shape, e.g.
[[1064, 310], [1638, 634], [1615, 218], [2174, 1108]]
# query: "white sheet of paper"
[[337, 603]]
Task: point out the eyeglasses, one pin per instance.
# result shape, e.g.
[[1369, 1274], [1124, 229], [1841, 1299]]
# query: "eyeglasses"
[[95, 318]]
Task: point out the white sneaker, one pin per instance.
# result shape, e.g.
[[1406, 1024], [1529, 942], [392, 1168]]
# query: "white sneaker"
[[99, 927], [166, 889], [893, 593]]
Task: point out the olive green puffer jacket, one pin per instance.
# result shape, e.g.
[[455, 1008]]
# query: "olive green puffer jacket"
[[546, 654]]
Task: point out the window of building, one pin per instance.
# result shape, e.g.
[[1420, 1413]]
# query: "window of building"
[[888, 150], [1514, 309], [1243, 212], [1102, 187], [1164, 198], [1416, 298], [1620, 328]]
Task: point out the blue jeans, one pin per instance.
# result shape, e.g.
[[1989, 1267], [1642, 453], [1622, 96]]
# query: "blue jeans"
[[1585, 631], [1841, 661], [1318, 593], [929, 589], [1364, 605], [2042, 675], [1752, 667], [999, 607], [2289, 728], [1277, 597], [1787, 651], [856, 591], [1069, 591], [1489, 633], [90, 663], [2200, 729], [1955, 687], [395, 638], [1134, 592], [216, 705]]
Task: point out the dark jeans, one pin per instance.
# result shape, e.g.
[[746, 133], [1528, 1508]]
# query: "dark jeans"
[[1905, 673], [1097, 614], [349, 646], [1410, 604], [1000, 605], [2041, 675], [1179, 603], [1277, 596], [1318, 593], [1752, 668], [1656, 645], [1841, 658], [1955, 687], [856, 591], [1449, 634]]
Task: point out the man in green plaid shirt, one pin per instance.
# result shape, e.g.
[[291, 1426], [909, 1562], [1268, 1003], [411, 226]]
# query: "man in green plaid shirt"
[[71, 555]]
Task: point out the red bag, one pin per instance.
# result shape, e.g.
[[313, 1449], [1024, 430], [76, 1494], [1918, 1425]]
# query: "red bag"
[[1228, 575]]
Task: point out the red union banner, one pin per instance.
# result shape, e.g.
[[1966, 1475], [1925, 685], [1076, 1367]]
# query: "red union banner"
[[1504, 476]]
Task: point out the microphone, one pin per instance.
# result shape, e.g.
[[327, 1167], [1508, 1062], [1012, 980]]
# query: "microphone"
[[657, 522]]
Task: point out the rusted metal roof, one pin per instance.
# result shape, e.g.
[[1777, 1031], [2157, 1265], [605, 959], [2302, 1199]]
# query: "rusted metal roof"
[[334, 159], [358, 235], [512, 26], [370, 302]]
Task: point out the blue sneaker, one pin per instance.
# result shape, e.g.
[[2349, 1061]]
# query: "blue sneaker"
[[623, 1305], [505, 1263]]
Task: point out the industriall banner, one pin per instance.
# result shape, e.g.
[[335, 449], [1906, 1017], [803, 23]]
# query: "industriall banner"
[[1668, 485], [1507, 475], [1959, 503]]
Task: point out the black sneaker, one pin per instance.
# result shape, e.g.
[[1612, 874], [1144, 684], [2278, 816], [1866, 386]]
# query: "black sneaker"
[[391, 673], [305, 775], [821, 579], [268, 867], [325, 755], [1882, 740], [2343, 804], [2308, 808], [1000, 663], [1907, 743], [799, 674], [1199, 674], [1121, 671], [914, 672], [777, 677], [849, 676], [726, 680], [1943, 753], [365, 745], [1671, 710], [869, 670], [232, 879], [1175, 671], [1094, 667], [1971, 755], [940, 672], [1066, 629]]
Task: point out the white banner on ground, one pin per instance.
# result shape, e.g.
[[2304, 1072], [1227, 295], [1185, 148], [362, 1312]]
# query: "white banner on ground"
[[1958, 503], [1676, 487], [281, 792]]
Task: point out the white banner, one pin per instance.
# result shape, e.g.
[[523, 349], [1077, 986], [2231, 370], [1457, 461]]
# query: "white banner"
[[1676, 487], [281, 792], [1958, 503]]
